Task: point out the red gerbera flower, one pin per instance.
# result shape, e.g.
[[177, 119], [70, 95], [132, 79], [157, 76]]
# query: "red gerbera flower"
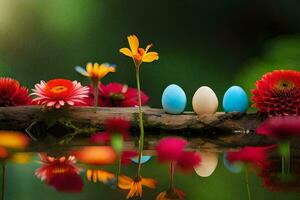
[[59, 92], [280, 127], [60, 173], [116, 95], [12, 94], [278, 93]]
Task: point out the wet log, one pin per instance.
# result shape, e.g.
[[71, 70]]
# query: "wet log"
[[155, 120]]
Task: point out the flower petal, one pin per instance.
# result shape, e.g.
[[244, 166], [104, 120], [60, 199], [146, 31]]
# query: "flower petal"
[[126, 52], [133, 43], [81, 71], [149, 57]]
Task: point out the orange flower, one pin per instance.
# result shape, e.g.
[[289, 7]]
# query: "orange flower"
[[172, 194], [135, 186], [13, 139], [99, 175], [139, 55]]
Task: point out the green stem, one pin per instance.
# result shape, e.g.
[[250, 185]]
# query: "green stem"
[[141, 140], [95, 95], [3, 180], [118, 170], [247, 184]]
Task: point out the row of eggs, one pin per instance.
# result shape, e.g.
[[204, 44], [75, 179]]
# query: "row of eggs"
[[204, 100], [209, 162]]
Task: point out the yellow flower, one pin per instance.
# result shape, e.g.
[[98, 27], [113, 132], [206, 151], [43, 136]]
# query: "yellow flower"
[[95, 71], [171, 194], [99, 175], [135, 186], [139, 55]]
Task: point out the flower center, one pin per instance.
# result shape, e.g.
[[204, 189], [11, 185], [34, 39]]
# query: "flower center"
[[59, 89], [284, 85]]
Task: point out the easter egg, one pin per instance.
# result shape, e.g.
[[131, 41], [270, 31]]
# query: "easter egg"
[[205, 101], [233, 168], [144, 159], [209, 162], [173, 99], [235, 100]]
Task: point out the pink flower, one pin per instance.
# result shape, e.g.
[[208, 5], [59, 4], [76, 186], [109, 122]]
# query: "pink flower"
[[116, 95], [256, 156], [280, 127], [188, 160], [59, 92], [170, 148]]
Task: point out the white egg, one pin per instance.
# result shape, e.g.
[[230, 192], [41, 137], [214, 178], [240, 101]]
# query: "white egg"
[[205, 101], [209, 162]]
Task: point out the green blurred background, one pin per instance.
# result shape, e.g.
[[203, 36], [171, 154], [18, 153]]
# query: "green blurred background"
[[214, 43]]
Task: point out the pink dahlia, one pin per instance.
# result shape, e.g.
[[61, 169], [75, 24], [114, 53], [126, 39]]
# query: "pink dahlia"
[[280, 127], [60, 92], [116, 95], [12, 94], [170, 148], [278, 93]]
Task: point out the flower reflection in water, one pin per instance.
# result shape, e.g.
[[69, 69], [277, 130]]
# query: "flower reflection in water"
[[60, 173], [172, 150], [135, 186]]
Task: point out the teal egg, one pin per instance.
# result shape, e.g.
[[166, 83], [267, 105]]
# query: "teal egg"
[[235, 100], [144, 159], [173, 99]]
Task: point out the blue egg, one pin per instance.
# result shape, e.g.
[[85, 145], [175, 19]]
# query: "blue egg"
[[173, 99], [235, 100], [144, 159], [234, 168]]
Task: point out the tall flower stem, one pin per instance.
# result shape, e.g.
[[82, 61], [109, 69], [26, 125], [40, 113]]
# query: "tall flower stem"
[[171, 183], [3, 180], [247, 183], [284, 149], [141, 124]]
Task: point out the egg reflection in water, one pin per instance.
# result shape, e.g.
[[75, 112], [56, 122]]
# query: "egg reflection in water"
[[208, 165]]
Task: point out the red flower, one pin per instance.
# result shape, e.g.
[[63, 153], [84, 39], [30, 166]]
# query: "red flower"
[[100, 138], [256, 156], [116, 95], [12, 94], [60, 173], [126, 157], [170, 148], [111, 126], [188, 160], [278, 93], [59, 92], [280, 127]]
